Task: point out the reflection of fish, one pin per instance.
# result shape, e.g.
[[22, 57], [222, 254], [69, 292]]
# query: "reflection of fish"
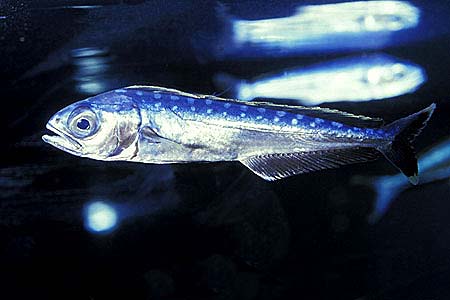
[[434, 165], [158, 125], [322, 27], [350, 79]]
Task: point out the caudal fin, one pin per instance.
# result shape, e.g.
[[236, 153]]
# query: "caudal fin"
[[400, 152]]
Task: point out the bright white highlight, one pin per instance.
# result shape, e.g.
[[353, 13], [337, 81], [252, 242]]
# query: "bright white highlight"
[[362, 78], [100, 217], [315, 24]]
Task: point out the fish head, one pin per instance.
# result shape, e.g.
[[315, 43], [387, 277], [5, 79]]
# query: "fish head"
[[103, 127], [395, 78]]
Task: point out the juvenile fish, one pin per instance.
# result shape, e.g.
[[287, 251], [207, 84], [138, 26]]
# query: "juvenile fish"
[[359, 78], [158, 125]]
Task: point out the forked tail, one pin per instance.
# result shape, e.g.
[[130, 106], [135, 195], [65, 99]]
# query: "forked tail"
[[400, 152]]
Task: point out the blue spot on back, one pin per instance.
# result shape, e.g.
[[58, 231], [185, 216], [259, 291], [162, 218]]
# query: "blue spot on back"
[[336, 124], [318, 121]]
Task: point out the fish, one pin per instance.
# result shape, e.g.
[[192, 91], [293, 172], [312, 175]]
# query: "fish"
[[318, 28], [359, 78], [433, 165], [150, 124]]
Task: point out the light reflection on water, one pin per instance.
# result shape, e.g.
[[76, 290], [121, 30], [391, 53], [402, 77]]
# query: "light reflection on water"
[[91, 65], [100, 217]]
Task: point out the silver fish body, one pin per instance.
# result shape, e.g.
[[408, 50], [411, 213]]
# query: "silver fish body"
[[158, 125]]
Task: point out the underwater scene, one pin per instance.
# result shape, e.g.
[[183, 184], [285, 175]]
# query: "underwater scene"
[[246, 150]]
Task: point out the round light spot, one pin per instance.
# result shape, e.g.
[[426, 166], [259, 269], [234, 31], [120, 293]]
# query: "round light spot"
[[259, 117], [173, 97], [208, 102], [299, 117], [312, 124], [100, 217], [139, 93], [242, 115], [224, 113], [243, 108], [318, 121], [276, 119], [209, 110], [261, 110], [174, 107], [227, 105], [294, 121], [156, 95], [192, 108], [158, 104], [281, 113]]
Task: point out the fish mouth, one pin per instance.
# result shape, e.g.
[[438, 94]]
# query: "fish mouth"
[[61, 140]]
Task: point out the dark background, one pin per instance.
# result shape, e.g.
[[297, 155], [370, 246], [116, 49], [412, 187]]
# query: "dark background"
[[199, 231]]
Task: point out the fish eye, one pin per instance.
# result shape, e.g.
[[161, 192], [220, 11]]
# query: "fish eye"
[[399, 71], [83, 122]]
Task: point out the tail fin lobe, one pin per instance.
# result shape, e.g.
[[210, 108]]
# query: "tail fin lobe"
[[400, 152]]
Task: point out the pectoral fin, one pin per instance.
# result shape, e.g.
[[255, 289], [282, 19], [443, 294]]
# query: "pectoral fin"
[[280, 165], [150, 135]]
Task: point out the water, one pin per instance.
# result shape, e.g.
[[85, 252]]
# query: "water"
[[209, 231]]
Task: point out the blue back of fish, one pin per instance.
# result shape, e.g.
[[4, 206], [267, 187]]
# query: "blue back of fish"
[[203, 108]]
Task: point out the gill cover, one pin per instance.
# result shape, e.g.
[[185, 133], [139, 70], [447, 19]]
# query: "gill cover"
[[126, 131]]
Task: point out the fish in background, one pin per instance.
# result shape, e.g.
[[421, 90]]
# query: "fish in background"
[[157, 125], [333, 27], [360, 78], [434, 165]]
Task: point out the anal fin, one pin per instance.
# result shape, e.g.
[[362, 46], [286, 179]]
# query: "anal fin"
[[280, 165]]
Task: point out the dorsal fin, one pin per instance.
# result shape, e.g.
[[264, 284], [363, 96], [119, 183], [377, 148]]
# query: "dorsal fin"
[[325, 113], [314, 112], [176, 92]]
